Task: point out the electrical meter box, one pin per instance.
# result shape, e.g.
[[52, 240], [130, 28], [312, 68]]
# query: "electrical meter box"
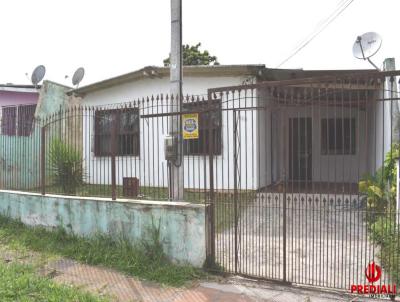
[[170, 147]]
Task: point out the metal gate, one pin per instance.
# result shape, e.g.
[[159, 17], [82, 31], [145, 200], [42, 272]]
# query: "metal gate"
[[303, 190]]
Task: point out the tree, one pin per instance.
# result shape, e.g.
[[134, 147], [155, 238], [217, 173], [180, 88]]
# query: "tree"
[[193, 56]]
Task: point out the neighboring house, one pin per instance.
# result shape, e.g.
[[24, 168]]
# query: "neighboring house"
[[324, 138], [21, 106], [17, 108]]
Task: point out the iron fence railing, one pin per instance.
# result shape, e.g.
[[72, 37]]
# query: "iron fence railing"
[[112, 151], [308, 164]]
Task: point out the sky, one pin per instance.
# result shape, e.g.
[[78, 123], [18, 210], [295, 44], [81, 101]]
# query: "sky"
[[109, 38]]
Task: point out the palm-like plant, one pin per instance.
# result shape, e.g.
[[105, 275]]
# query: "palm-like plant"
[[66, 166], [380, 188]]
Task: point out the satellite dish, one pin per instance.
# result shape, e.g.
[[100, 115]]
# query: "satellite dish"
[[78, 76], [366, 46], [38, 74]]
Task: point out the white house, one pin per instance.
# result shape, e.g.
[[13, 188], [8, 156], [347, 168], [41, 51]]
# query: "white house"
[[149, 164], [320, 137]]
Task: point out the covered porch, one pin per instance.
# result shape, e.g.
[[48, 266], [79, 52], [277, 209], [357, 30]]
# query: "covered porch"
[[325, 137]]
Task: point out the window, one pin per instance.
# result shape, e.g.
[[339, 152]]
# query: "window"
[[207, 119], [128, 134], [338, 136], [26, 115], [9, 121], [17, 120]]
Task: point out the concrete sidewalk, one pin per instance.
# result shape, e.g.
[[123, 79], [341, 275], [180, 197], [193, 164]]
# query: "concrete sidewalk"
[[121, 288]]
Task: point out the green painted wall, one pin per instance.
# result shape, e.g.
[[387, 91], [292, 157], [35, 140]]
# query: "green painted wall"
[[19, 161], [182, 225]]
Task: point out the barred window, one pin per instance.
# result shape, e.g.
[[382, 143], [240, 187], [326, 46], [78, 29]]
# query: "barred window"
[[17, 120], [338, 136], [26, 115], [128, 132]]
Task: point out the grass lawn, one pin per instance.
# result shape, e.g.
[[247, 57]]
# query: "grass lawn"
[[145, 260], [21, 283]]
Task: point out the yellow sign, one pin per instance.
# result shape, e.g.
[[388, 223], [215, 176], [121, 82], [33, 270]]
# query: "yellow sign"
[[190, 126]]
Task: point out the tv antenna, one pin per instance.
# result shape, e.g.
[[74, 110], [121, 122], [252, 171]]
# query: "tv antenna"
[[78, 76], [38, 75], [366, 46]]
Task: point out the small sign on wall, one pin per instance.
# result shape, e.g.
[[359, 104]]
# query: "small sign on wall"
[[190, 126]]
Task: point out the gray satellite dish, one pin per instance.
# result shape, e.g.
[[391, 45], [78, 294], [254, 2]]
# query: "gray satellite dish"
[[78, 76], [366, 46], [38, 74]]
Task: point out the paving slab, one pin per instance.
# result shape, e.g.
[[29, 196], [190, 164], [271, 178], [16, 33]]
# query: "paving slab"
[[122, 288]]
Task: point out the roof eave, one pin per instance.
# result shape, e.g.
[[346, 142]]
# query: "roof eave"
[[160, 72]]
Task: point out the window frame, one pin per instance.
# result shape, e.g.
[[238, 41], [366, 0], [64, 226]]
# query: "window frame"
[[338, 136], [20, 122], [120, 133], [25, 117]]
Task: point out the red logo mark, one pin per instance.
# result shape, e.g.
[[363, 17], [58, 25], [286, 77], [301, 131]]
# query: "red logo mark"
[[373, 272]]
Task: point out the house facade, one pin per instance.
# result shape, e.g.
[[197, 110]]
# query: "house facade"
[[148, 90], [324, 137]]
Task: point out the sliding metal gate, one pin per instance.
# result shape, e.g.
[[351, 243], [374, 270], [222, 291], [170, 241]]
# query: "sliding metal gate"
[[302, 191]]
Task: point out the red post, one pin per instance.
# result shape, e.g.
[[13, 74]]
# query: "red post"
[[211, 213], [43, 161], [113, 152]]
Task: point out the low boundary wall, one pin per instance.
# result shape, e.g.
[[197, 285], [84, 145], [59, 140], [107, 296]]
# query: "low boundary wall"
[[182, 225]]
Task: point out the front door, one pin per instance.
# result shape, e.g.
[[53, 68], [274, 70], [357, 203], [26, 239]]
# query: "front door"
[[300, 149]]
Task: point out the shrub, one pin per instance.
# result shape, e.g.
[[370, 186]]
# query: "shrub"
[[380, 190], [66, 166], [385, 232]]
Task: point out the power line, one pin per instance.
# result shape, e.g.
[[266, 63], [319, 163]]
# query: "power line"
[[332, 17], [322, 22]]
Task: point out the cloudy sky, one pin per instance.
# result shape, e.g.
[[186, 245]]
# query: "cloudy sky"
[[109, 38]]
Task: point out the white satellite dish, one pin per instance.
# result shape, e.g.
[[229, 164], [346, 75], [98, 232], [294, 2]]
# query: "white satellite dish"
[[78, 76], [38, 74], [366, 46]]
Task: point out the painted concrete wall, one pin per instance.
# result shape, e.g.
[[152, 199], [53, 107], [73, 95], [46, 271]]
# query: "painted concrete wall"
[[182, 225], [52, 98], [384, 121], [8, 98], [265, 138], [20, 161], [147, 87], [150, 167], [17, 167], [19, 164]]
